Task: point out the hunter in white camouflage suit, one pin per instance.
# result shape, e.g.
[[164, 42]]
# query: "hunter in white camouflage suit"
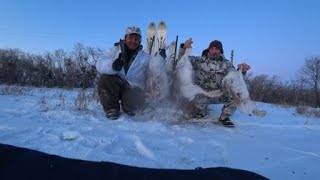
[[210, 69]]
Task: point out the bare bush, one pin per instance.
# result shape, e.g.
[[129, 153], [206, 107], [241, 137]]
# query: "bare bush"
[[316, 113], [62, 100], [14, 90], [302, 110], [76, 69], [95, 94], [310, 74], [308, 111], [57, 69], [81, 102], [44, 105], [265, 89]]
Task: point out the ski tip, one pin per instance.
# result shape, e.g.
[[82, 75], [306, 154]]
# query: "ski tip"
[[152, 24], [162, 23]]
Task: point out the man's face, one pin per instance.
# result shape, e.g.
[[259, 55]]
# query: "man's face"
[[133, 41], [214, 51]]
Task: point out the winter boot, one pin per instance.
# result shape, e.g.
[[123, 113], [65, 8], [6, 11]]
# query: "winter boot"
[[226, 122], [113, 114]]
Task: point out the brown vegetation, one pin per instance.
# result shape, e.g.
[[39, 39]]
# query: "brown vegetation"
[[76, 69]]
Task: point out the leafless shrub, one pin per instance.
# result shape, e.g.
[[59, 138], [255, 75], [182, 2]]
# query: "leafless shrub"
[[308, 111], [62, 100], [52, 69], [302, 110], [81, 102], [95, 95], [14, 90], [44, 105], [309, 73], [316, 113]]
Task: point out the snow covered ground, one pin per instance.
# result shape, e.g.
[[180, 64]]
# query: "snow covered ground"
[[281, 145]]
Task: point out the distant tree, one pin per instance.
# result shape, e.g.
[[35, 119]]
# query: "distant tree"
[[262, 88], [86, 59], [299, 94], [310, 74], [12, 68], [95, 54], [81, 57]]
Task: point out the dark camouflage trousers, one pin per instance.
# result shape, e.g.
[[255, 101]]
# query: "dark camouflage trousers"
[[199, 106], [114, 91]]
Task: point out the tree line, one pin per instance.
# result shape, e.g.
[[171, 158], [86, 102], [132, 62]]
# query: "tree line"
[[61, 69], [76, 69]]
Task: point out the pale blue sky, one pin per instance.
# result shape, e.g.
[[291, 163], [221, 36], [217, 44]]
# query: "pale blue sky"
[[273, 36]]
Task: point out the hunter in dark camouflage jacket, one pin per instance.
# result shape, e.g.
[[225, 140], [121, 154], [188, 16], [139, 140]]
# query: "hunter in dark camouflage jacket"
[[210, 69]]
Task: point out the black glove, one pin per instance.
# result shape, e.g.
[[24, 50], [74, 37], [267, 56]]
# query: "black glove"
[[118, 63], [162, 53]]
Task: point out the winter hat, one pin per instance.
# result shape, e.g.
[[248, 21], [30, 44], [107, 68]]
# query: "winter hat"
[[133, 30], [217, 44]]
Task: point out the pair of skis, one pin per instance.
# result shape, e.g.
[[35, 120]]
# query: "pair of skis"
[[153, 34], [156, 40]]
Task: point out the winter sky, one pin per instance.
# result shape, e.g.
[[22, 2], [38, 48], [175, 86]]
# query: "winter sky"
[[274, 37]]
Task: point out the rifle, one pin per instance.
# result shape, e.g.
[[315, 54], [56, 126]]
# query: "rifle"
[[121, 60], [175, 55], [123, 51]]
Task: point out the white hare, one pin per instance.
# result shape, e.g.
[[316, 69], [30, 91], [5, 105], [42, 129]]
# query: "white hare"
[[235, 84], [157, 83], [184, 80]]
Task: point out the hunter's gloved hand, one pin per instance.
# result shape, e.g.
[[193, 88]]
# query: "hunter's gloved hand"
[[162, 53], [187, 44], [117, 64]]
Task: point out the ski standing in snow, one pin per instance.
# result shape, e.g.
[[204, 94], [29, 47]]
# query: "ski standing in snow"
[[157, 80]]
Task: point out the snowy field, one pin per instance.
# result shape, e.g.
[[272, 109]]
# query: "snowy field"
[[281, 145]]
